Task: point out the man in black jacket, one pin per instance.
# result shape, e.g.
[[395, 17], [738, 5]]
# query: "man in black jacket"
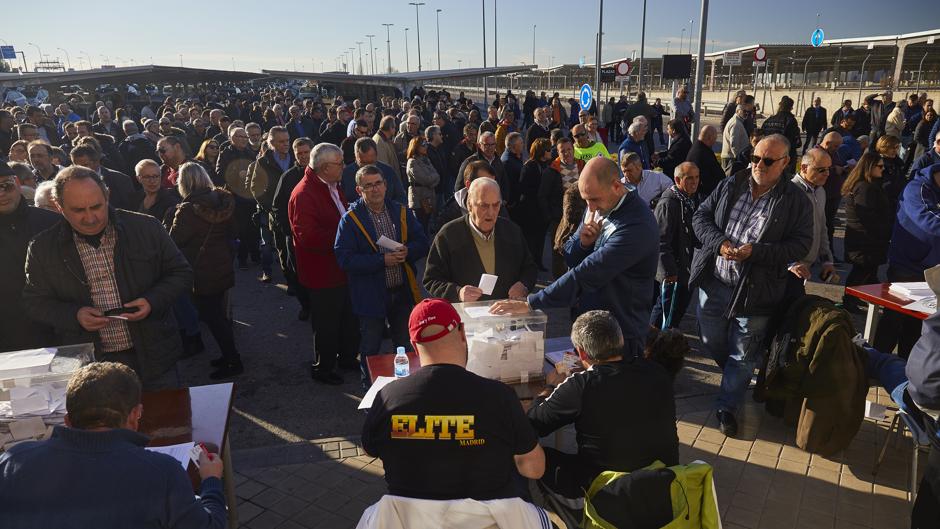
[[538, 129], [486, 151], [619, 438], [703, 156], [100, 262], [19, 222], [814, 121], [299, 126], [678, 150], [107, 126], [281, 223], [262, 179], [751, 228], [121, 192]]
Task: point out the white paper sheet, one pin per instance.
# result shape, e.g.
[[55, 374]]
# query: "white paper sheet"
[[180, 452], [487, 283], [926, 305], [874, 411], [25, 363], [27, 428], [369, 397], [388, 244], [479, 312]]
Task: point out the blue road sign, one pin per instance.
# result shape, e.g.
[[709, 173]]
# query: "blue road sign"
[[586, 96], [7, 52], [817, 39]]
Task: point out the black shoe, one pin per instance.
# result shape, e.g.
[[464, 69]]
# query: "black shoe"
[[349, 365], [303, 315], [228, 369], [218, 362], [727, 423], [265, 277], [327, 377]]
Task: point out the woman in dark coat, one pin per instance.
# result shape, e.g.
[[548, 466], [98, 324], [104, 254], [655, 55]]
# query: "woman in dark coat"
[[527, 213], [869, 217], [893, 177], [158, 202], [208, 157], [204, 230]]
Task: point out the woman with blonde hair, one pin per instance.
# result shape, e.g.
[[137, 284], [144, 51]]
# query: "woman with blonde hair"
[[892, 178], [204, 230], [208, 157]]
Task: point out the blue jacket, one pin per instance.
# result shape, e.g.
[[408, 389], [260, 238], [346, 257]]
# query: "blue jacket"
[[617, 276], [639, 147], [365, 265], [927, 159], [104, 479], [393, 188], [915, 241], [786, 238], [923, 367]]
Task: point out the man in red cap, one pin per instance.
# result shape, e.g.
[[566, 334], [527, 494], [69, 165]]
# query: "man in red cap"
[[445, 433]]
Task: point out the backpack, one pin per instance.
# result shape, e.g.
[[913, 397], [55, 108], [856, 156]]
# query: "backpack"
[[819, 371], [653, 497]]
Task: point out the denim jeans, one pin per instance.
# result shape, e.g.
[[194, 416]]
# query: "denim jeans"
[[888, 369], [736, 344], [398, 305], [664, 301]]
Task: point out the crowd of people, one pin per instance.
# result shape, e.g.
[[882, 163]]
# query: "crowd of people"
[[124, 228]]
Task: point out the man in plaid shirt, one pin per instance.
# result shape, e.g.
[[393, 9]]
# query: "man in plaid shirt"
[[751, 228], [108, 276]]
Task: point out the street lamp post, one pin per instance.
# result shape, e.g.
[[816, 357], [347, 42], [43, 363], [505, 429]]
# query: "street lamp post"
[[418, 26], [88, 58], [642, 49], [359, 44], [388, 45], [486, 93], [68, 58], [372, 52], [439, 38], [668, 42], [691, 32], [533, 43], [495, 37], [407, 59], [181, 60], [600, 39], [699, 70], [37, 49], [681, 41]]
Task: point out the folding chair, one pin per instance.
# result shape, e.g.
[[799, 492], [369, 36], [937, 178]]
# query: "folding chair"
[[919, 438]]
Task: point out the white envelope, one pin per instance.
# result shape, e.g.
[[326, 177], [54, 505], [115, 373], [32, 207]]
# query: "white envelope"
[[388, 244], [487, 283]]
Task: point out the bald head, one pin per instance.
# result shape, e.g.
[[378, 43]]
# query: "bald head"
[[483, 203], [600, 185], [831, 142], [708, 135]]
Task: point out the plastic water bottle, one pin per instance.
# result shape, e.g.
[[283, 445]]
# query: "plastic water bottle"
[[402, 364]]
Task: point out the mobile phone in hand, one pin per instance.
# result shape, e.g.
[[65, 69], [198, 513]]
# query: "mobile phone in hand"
[[117, 314]]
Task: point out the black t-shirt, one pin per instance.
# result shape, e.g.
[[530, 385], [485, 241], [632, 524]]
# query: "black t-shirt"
[[446, 433]]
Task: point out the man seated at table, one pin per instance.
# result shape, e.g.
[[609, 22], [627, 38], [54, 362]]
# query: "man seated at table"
[[443, 432], [480, 242], [94, 471], [610, 436]]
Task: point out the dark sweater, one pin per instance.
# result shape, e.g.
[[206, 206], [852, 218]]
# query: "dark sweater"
[[101, 479]]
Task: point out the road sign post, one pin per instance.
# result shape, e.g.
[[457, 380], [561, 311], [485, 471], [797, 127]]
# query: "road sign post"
[[622, 71]]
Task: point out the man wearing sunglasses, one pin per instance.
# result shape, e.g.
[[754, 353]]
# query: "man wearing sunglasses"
[[815, 166], [752, 227], [19, 222]]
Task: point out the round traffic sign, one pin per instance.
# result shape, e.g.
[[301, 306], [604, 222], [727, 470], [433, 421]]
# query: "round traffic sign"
[[760, 53], [624, 67], [586, 97], [817, 39]]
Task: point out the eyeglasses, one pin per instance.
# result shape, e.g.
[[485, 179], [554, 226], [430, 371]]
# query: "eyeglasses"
[[373, 185], [7, 187], [756, 160]]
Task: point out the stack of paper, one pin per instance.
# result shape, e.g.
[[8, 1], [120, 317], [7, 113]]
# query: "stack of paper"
[[180, 452], [34, 400], [913, 291], [25, 363]]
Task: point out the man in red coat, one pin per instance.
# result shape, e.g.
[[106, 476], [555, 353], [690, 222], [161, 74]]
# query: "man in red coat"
[[315, 208]]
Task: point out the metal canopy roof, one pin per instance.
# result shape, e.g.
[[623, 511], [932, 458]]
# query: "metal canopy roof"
[[400, 78], [148, 74]]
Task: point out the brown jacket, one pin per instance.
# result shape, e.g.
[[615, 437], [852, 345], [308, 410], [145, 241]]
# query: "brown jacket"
[[204, 230]]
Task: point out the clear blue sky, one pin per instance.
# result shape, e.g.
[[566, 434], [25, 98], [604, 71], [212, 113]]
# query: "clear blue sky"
[[211, 33]]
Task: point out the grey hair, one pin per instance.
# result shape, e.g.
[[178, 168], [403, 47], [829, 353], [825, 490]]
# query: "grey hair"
[[597, 333], [366, 170], [634, 128], [144, 163], [477, 186], [192, 178], [780, 139], [812, 155], [43, 196], [319, 154], [512, 137], [430, 131], [682, 169], [130, 125], [485, 135], [277, 129]]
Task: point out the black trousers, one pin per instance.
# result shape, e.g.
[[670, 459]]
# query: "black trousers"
[[248, 234], [212, 311], [926, 512], [335, 327], [285, 256], [896, 329], [811, 140], [561, 488], [832, 207]]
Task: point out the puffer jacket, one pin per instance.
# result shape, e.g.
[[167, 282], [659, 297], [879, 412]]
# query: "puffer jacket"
[[204, 230], [915, 241], [786, 238], [422, 180]]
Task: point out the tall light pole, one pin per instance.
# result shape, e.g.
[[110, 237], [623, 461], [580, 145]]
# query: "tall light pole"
[[642, 49], [38, 50], [699, 69], [668, 42], [418, 25], [181, 60], [67, 57], [495, 37], [371, 52], [359, 44], [691, 33], [439, 39], [88, 58], [486, 93], [388, 45], [407, 59], [352, 60], [600, 40], [681, 41], [533, 43]]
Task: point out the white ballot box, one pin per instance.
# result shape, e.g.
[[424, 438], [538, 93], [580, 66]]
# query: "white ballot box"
[[32, 389], [509, 348]]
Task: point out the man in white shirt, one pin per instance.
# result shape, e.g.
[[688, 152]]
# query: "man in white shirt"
[[735, 137], [648, 184], [814, 171]]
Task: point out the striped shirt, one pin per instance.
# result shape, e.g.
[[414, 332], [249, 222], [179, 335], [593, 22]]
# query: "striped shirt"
[[384, 226], [99, 270], [745, 224]]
